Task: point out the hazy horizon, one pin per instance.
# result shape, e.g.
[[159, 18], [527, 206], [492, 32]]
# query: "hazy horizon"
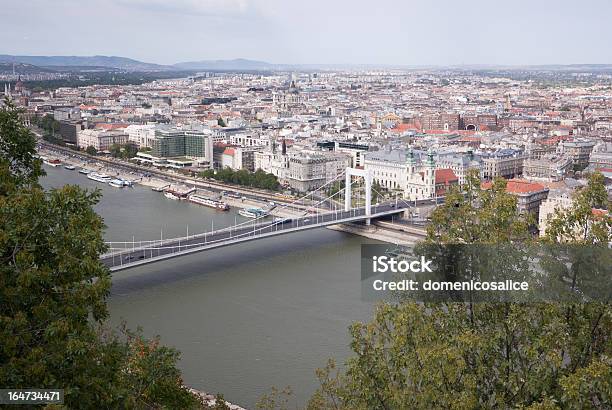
[[359, 32]]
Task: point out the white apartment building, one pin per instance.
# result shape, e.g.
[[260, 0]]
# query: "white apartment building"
[[460, 163], [405, 171], [238, 158], [505, 163], [389, 168], [141, 134], [557, 199], [101, 140], [578, 149], [560, 199], [305, 170], [247, 140], [550, 167]]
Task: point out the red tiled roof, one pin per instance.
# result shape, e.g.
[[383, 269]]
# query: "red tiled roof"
[[518, 186], [110, 126], [445, 176], [404, 127], [459, 132], [469, 139], [554, 140], [229, 151], [599, 212]]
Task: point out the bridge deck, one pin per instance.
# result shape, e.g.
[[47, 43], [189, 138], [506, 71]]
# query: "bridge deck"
[[171, 248]]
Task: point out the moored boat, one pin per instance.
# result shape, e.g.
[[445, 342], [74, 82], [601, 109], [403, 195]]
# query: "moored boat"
[[171, 195], [85, 171], [252, 213], [70, 167], [99, 177], [52, 162], [211, 203], [117, 183]]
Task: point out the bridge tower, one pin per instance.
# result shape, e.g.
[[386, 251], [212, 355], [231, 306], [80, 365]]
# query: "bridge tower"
[[367, 176]]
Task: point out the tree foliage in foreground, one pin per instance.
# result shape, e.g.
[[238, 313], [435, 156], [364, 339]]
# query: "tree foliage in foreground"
[[585, 222], [53, 292], [18, 166], [484, 355]]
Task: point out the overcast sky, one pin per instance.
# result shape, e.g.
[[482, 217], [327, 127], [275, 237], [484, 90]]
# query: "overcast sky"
[[408, 32]]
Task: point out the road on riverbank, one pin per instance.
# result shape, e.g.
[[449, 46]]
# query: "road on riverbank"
[[172, 177]]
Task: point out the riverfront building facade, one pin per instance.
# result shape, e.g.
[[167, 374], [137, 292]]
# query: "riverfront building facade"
[[101, 140], [176, 142]]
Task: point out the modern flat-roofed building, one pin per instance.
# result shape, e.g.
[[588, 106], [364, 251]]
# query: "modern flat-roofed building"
[[69, 130], [178, 142], [356, 151], [176, 163]]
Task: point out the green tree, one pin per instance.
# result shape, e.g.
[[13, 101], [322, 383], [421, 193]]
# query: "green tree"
[[209, 173], [275, 400], [587, 221], [257, 179], [91, 150], [377, 192], [115, 150], [484, 355], [18, 164], [53, 291], [472, 214], [129, 151], [49, 124]]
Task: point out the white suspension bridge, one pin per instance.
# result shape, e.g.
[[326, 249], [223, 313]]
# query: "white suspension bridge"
[[316, 211]]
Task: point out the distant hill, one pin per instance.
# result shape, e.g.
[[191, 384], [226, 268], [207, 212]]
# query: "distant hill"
[[236, 64], [33, 64], [122, 63], [21, 68]]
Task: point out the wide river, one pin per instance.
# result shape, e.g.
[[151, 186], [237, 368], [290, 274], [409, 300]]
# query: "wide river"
[[245, 317]]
